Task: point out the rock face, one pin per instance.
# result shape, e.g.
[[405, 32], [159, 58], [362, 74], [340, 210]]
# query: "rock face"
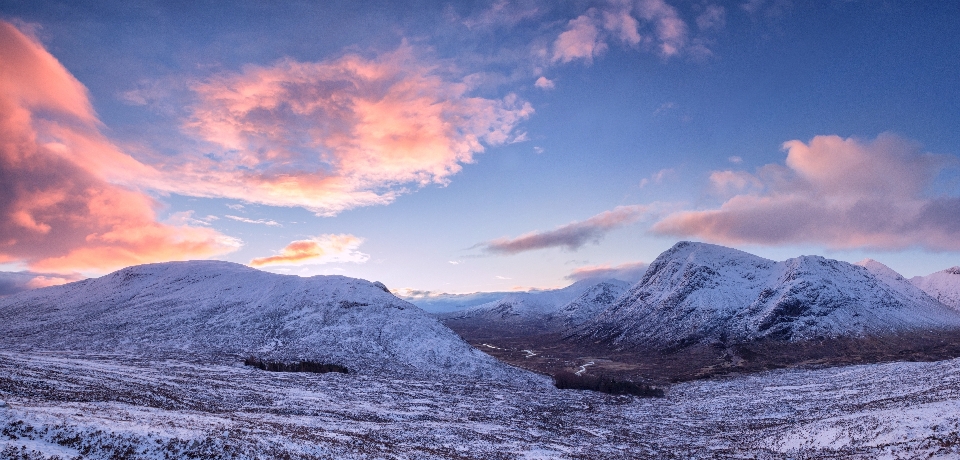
[[526, 313], [943, 285], [221, 309], [707, 294]]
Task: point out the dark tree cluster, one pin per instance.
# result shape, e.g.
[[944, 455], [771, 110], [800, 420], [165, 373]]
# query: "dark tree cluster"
[[302, 366], [570, 381]]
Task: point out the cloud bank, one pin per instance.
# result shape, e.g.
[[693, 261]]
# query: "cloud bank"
[[571, 236], [843, 193], [14, 282], [320, 249], [60, 209], [630, 272]]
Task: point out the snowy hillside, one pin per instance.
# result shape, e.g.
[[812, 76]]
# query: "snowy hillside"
[[221, 309], [943, 285], [703, 293], [110, 409], [540, 311]]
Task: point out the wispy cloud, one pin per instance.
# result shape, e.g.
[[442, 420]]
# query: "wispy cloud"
[[844, 193], [644, 24], [501, 13], [571, 236], [670, 31], [320, 249], [66, 206], [713, 17], [630, 272], [657, 177], [334, 135], [271, 223]]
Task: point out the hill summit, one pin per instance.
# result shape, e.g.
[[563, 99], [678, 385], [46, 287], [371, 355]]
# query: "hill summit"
[[230, 311]]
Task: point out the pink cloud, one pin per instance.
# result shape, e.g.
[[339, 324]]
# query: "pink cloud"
[[652, 24], [334, 135], [670, 30], [619, 21], [713, 17], [727, 182], [59, 210], [317, 250], [544, 83], [41, 281], [630, 272], [571, 236], [581, 40], [844, 193]]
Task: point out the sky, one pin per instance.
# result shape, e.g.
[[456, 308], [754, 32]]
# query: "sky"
[[475, 146]]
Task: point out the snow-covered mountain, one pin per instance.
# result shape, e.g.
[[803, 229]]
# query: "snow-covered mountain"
[[901, 284], [444, 302], [212, 308], [703, 293], [590, 303], [943, 285], [539, 311]]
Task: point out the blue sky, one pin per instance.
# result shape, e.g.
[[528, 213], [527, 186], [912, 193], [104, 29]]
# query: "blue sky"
[[652, 122]]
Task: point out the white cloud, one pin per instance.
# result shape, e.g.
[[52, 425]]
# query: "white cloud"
[[271, 223]]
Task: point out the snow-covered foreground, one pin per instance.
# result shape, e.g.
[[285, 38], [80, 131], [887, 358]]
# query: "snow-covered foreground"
[[121, 407]]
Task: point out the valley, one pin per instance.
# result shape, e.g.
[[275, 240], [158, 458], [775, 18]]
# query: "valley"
[[554, 353], [704, 311], [747, 358]]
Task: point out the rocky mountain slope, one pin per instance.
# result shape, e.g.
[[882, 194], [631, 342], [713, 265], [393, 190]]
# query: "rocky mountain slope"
[[943, 285], [226, 310], [697, 293]]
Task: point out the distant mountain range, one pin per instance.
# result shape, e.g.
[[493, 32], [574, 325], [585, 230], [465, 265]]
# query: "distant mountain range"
[[525, 313], [229, 311]]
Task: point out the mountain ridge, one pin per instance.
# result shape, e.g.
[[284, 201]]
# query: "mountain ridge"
[[702, 293], [221, 309]]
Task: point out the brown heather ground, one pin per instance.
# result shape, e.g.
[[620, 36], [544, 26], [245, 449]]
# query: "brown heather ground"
[[554, 353]]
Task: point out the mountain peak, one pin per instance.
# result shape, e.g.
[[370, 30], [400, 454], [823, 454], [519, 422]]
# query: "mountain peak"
[[880, 269]]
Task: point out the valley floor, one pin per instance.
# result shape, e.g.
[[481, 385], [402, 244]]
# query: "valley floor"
[[550, 353], [124, 407]]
